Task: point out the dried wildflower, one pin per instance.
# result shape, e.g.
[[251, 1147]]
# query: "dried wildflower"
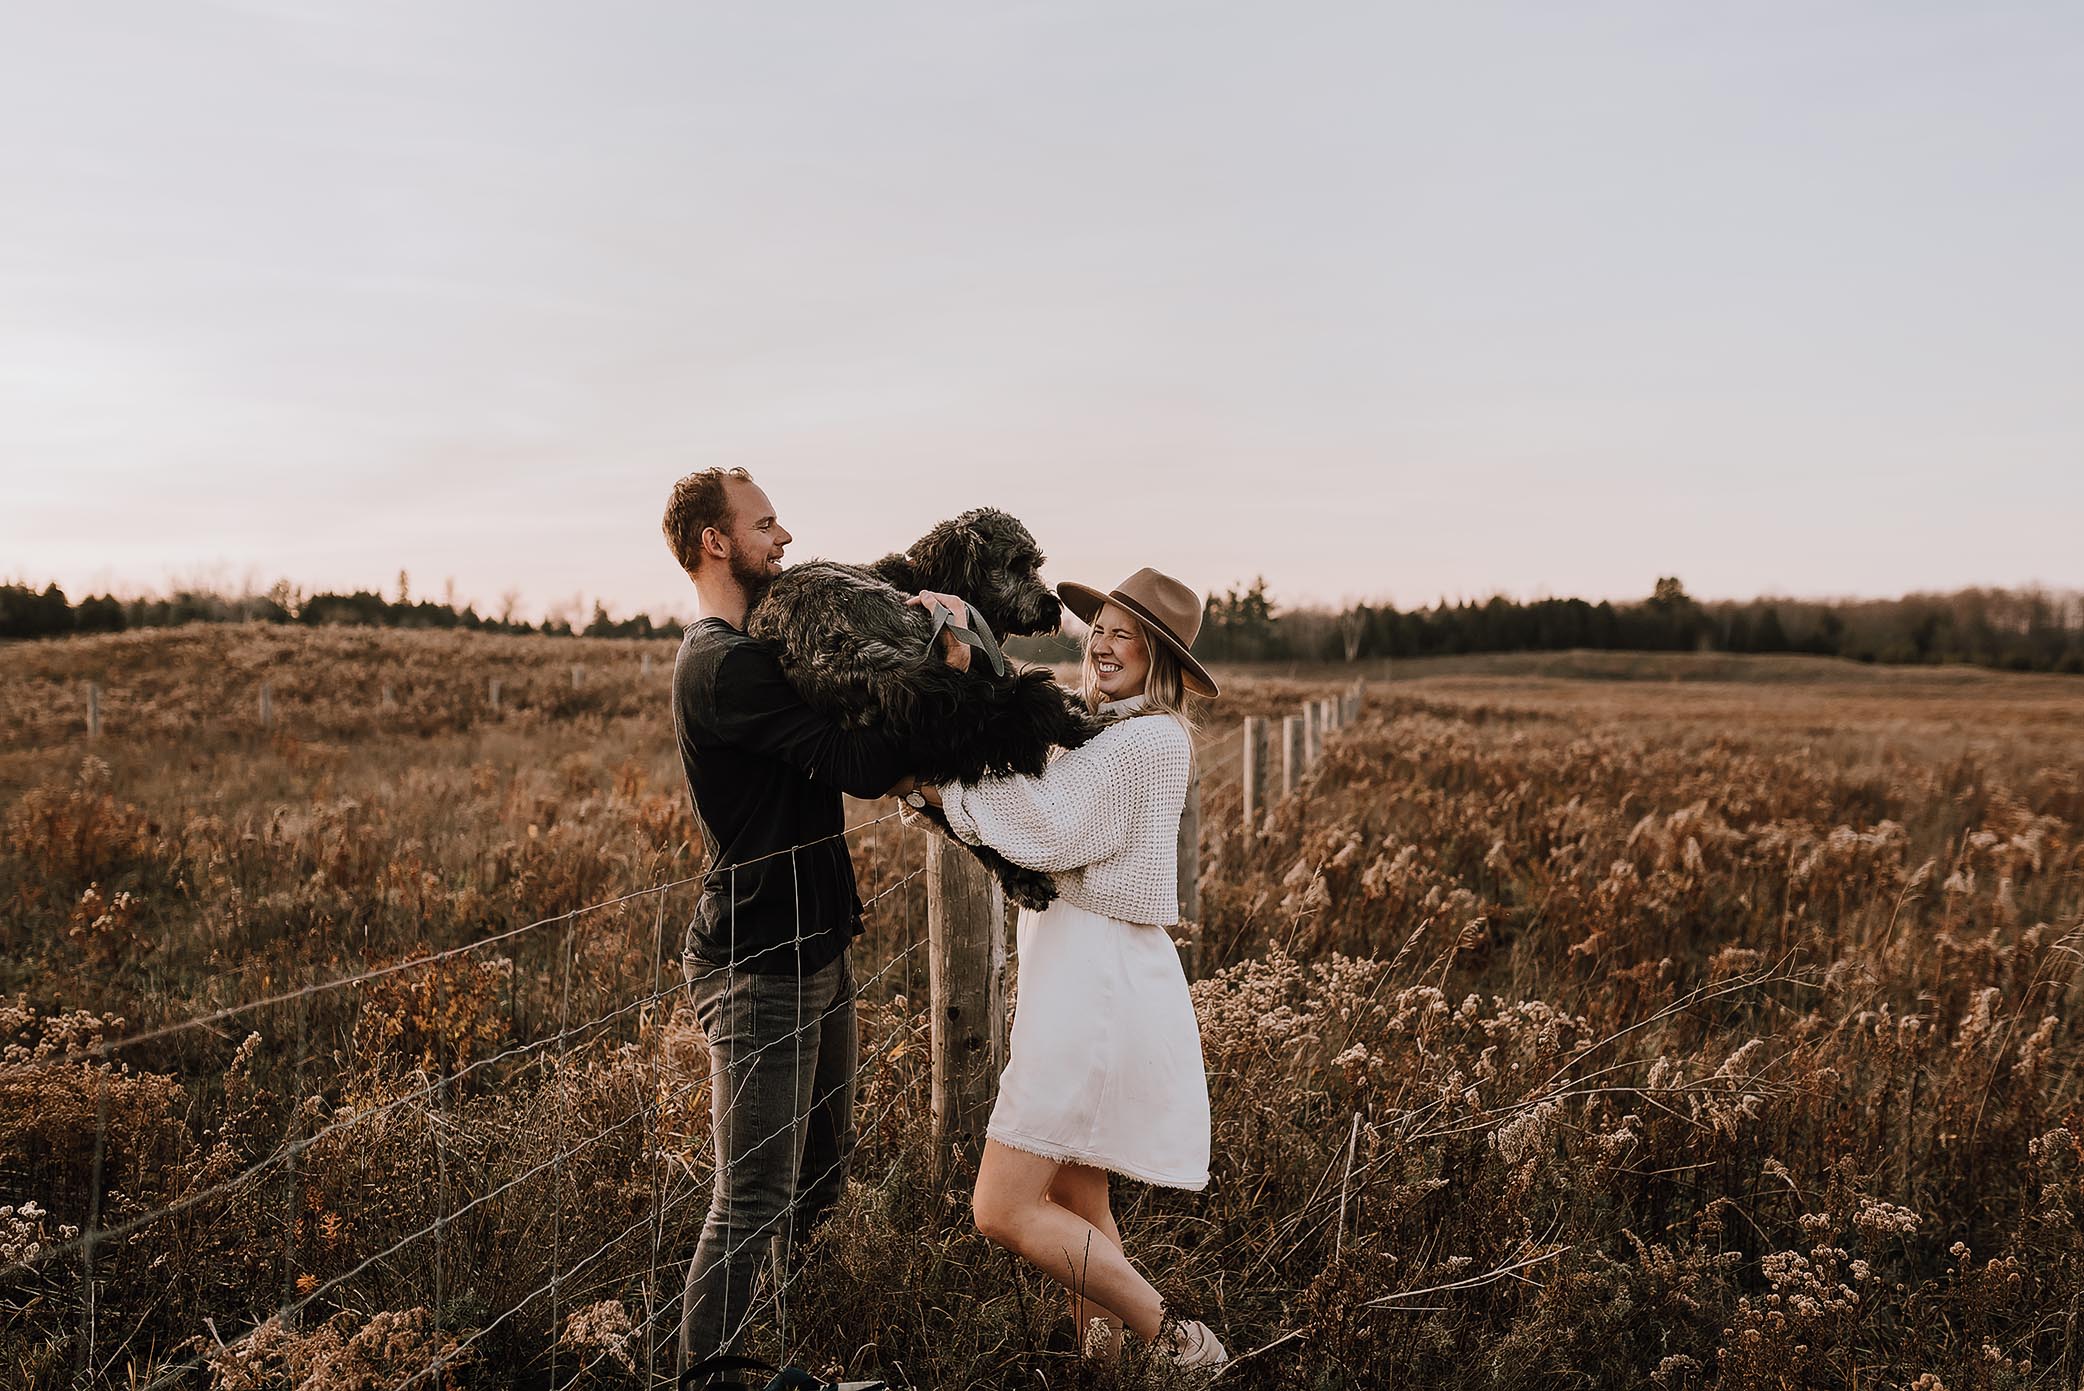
[[1674, 1369], [603, 1330], [1528, 1134]]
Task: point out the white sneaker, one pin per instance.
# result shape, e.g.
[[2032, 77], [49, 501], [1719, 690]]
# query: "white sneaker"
[[1192, 1344]]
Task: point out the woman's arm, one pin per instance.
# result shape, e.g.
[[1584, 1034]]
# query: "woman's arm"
[[1074, 812]]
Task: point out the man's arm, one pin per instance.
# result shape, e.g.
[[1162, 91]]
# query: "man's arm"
[[756, 708]]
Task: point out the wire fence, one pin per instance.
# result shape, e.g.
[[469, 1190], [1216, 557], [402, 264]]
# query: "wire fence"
[[470, 1188]]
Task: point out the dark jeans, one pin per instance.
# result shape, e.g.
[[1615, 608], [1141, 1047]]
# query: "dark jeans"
[[781, 1083]]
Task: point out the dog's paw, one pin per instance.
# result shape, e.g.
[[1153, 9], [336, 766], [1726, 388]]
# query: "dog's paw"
[[1028, 887]]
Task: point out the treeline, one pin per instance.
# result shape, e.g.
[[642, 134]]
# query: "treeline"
[[2016, 630], [29, 613]]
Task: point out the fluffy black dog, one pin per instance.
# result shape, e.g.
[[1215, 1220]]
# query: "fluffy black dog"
[[854, 649]]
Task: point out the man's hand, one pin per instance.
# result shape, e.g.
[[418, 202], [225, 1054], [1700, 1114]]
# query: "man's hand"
[[954, 650]]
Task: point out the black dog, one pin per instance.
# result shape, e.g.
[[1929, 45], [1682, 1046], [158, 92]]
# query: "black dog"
[[854, 649]]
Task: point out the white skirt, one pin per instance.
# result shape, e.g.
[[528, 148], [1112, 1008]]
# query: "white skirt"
[[1105, 1059]]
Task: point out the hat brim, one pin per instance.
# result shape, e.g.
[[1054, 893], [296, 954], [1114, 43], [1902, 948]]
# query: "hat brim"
[[1085, 602]]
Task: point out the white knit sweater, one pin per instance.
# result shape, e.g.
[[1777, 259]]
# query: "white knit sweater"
[[1101, 820]]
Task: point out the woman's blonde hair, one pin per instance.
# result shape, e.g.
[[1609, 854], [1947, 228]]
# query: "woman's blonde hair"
[[1164, 689]]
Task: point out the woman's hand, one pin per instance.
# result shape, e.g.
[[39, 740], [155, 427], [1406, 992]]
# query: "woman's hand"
[[954, 651]]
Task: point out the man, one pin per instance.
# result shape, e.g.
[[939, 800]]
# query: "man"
[[766, 954]]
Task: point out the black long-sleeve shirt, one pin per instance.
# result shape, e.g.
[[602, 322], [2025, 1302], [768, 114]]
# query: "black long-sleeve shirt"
[[766, 772]]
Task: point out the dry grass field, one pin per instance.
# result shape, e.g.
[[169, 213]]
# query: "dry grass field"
[[1584, 1021]]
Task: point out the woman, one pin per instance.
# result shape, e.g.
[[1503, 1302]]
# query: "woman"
[[1105, 1072]]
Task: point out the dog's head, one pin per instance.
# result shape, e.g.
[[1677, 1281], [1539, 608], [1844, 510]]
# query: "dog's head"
[[990, 559]]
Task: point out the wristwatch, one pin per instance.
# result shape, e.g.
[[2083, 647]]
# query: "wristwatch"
[[915, 800]]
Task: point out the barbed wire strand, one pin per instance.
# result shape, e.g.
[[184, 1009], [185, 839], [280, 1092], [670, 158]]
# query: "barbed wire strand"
[[452, 1355], [289, 1151], [658, 1050], [879, 1052], [106, 1047], [875, 1125], [555, 1160], [559, 1098]]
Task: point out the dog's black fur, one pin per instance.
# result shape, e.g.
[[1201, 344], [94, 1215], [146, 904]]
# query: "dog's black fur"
[[854, 649]]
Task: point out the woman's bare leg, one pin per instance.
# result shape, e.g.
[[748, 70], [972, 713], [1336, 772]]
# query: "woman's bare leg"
[[1012, 1208], [1082, 1189]]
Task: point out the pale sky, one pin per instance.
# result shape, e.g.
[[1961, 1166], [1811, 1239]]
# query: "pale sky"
[[1379, 301]]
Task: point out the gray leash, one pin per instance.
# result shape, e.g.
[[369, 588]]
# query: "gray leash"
[[977, 635]]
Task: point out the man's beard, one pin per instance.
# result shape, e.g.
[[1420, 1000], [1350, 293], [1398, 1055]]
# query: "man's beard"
[[752, 577]]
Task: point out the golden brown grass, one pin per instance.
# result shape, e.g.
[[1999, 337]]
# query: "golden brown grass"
[[1601, 1030]]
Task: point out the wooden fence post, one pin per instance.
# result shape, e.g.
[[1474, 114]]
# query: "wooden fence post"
[[93, 709], [1313, 732], [578, 675], [1190, 880], [966, 955], [267, 706], [388, 700], [1294, 753], [1252, 772], [644, 667], [495, 695]]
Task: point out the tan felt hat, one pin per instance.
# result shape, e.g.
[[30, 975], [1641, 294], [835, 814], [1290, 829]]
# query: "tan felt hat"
[[1169, 610]]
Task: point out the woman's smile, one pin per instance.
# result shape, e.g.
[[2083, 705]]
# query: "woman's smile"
[[1121, 661]]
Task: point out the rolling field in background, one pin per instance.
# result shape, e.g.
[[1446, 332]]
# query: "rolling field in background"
[[1583, 1020]]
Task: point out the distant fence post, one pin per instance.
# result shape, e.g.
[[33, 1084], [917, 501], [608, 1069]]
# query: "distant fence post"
[[1294, 751], [267, 706], [1190, 880], [495, 695], [966, 946], [388, 700], [578, 675], [1313, 731], [1252, 772], [644, 666], [93, 709]]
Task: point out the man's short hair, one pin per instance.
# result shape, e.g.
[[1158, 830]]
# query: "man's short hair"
[[699, 501]]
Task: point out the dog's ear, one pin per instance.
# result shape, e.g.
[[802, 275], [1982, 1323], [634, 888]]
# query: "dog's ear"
[[952, 558], [997, 530]]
